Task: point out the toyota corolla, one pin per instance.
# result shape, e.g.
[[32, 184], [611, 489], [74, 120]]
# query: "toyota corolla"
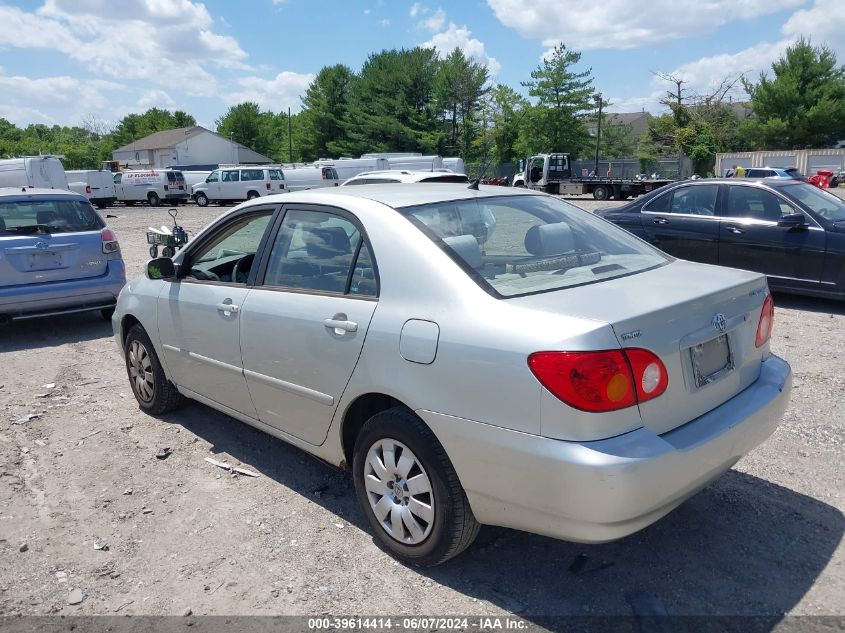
[[471, 356]]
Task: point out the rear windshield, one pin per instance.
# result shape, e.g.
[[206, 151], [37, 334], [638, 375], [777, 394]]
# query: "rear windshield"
[[821, 202], [48, 216], [795, 173], [175, 176], [519, 245]]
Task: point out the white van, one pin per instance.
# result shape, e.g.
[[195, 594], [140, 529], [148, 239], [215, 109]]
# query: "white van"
[[97, 186], [230, 184], [194, 177], [348, 167], [417, 163], [43, 172], [310, 177], [153, 186], [455, 164]]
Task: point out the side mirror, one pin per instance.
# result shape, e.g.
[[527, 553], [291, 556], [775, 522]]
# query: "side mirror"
[[161, 268], [792, 220]]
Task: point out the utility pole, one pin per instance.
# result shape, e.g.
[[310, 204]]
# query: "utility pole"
[[598, 100], [290, 140]]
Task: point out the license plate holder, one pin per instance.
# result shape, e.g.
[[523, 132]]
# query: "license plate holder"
[[711, 360]]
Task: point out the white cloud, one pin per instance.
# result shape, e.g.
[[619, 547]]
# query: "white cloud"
[[156, 40], [385, 22], [435, 21], [156, 99], [275, 94], [367, 11], [417, 9], [454, 37], [824, 22], [626, 24], [58, 100]]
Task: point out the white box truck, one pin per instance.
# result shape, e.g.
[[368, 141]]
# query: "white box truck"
[[43, 172]]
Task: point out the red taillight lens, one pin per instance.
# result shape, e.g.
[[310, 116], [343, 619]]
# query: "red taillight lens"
[[88, 189], [601, 381], [269, 186], [110, 244], [767, 321]]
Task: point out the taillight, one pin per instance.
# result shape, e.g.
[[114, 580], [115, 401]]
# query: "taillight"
[[88, 189], [601, 381], [269, 186], [767, 321], [110, 244]]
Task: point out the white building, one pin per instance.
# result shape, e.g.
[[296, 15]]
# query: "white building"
[[185, 146]]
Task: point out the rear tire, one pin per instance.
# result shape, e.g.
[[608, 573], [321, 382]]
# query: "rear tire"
[[401, 471], [252, 195], [154, 393], [153, 199], [201, 200], [601, 192]]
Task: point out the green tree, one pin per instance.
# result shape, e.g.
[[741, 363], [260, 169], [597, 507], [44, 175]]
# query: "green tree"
[[803, 105], [390, 108], [506, 109], [136, 126], [243, 124], [459, 87], [563, 96], [325, 112]]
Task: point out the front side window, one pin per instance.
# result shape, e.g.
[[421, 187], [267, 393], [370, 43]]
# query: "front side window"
[[820, 202], [213, 177], [229, 255], [320, 251], [118, 178], [30, 217], [755, 203], [518, 245]]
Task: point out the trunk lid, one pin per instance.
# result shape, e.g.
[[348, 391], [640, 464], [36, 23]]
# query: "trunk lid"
[[676, 312]]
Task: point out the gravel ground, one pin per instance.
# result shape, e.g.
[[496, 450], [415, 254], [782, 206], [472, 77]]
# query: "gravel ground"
[[87, 511]]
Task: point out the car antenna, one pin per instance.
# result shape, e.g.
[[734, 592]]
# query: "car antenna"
[[481, 172]]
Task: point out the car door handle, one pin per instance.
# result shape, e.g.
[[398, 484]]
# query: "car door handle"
[[731, 228], [340, 325], [231, 308], [660, 221]]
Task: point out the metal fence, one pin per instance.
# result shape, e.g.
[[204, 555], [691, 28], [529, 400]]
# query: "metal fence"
[[619, 168]]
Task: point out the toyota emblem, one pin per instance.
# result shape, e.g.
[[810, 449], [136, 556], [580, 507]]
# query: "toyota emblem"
[[720, 322]]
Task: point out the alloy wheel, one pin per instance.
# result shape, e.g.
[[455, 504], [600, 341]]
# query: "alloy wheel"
[[141, 371]]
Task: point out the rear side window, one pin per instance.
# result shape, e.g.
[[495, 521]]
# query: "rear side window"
[[689, 200], [48, 216], [252, 174], [276, 174]]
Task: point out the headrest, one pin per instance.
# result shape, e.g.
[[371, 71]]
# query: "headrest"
[[45, 217], [327, 241], [549, 239], [467, 248]]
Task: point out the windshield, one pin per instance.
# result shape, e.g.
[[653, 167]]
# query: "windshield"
[[518, 245], [48, 216], [820, 202]]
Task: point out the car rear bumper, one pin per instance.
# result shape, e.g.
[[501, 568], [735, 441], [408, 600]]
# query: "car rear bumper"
[[63, 297], [600, 491]]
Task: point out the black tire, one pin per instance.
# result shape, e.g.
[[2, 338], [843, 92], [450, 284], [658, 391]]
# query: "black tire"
[[107, 313], [601, 192], [252, 195], [168, 251], [153, 199], [164, 395], [153, 251], [201, 199], [834, 182], [454, 527]]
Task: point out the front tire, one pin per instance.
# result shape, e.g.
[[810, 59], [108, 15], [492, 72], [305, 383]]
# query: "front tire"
[[201, 200], [409, 490], [152, 390], [153, 199]]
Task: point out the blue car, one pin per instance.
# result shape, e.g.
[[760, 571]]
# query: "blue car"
[[57, 255]]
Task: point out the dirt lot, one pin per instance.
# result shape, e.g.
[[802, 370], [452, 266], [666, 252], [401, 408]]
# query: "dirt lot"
[[86, 505]]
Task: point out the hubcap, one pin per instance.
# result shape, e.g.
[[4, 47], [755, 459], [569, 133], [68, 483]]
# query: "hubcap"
[[141, 371], [399, 491]]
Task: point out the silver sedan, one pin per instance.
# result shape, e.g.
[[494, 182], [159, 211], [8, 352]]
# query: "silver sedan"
[[473, 357]]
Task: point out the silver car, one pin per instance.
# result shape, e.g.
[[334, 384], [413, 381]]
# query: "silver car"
[[473, 357]]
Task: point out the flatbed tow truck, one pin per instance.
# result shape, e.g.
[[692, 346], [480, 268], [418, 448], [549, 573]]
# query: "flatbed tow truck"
[[552, 173]]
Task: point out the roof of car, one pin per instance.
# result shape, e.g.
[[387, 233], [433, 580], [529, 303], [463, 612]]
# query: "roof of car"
[[25, 192], [407, 175], [407, 195]]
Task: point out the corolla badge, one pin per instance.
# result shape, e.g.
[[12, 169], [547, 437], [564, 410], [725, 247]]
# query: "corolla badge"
[[720, 322]]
